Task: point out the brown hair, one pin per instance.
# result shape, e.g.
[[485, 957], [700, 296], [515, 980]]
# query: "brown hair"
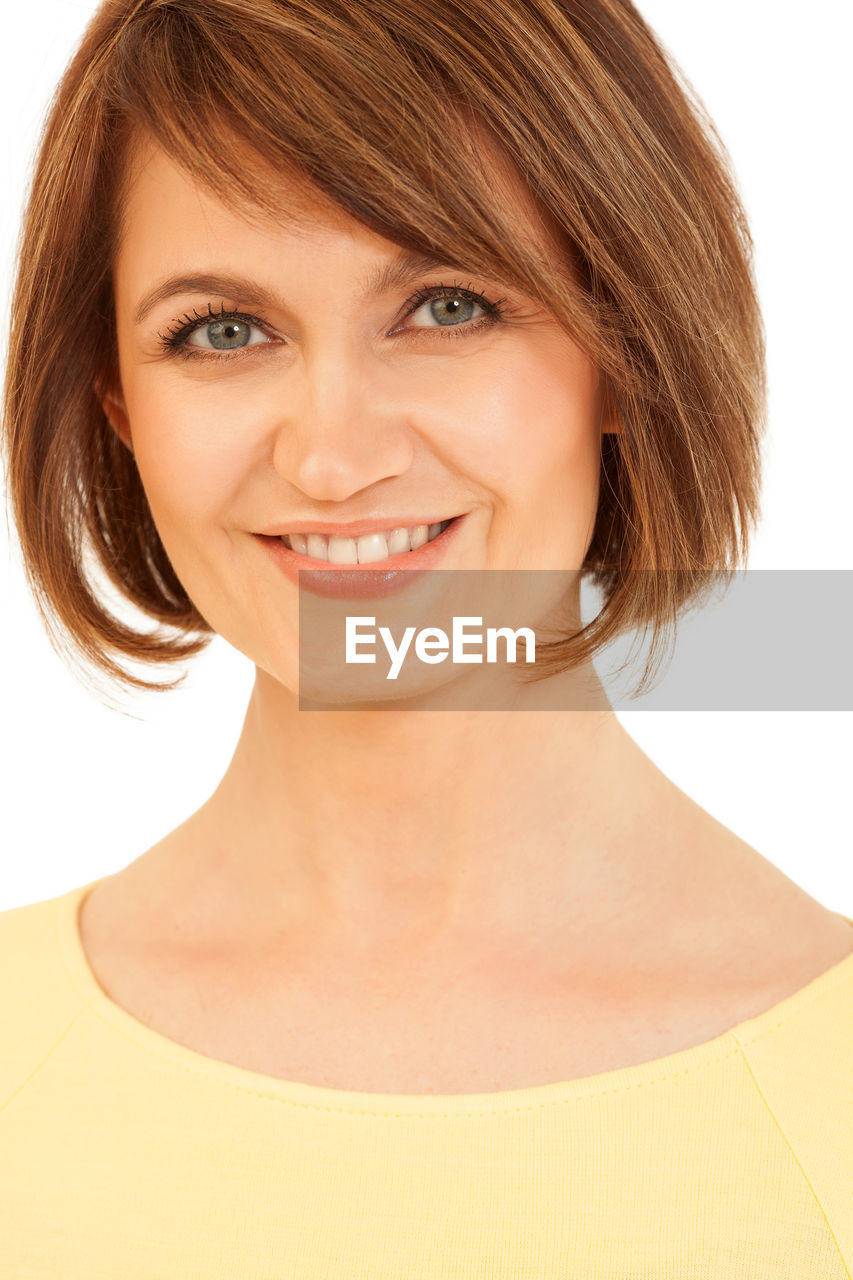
[[378, 103]]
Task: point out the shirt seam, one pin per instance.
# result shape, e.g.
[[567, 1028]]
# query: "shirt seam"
[[28, 1079], [796, 1159]]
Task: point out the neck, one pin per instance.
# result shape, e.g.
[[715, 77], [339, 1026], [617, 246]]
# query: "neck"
[[412, 826]]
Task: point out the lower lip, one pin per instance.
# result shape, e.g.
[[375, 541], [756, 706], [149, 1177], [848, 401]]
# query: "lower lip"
[[361, 581]]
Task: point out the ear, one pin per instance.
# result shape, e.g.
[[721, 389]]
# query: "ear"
[[611, 421], [115, 409]]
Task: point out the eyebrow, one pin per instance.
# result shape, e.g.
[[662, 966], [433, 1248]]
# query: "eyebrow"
[[381, 280]]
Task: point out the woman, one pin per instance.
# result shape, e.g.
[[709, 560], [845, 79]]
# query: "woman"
[[475, 993]]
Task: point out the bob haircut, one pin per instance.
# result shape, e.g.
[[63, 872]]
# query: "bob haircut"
[[379, 104]]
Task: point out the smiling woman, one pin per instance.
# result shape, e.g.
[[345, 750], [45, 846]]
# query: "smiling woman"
[[563, 164], [314, 298]]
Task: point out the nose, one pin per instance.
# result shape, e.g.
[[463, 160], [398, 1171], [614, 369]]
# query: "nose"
[[340, 427]]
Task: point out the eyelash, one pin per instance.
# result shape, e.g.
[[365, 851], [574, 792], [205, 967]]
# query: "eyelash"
[[174, 341]]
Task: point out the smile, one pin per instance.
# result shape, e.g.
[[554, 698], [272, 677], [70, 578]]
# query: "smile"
[[368, 548], [389, 572]]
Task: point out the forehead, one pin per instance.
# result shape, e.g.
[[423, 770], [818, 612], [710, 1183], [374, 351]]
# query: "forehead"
[[163, 200], [159, 189]]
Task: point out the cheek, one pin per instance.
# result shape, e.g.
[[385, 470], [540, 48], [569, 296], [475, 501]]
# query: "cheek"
[[536, 426], [188, 459], [192, 462]]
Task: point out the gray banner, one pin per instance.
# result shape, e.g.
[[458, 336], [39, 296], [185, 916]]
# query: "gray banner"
[[464, 640]]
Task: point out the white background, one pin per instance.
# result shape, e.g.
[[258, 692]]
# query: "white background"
[[86, 789]]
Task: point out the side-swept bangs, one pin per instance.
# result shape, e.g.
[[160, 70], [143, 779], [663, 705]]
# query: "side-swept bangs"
[[399, 111]]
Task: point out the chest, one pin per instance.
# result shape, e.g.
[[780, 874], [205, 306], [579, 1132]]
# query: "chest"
[[440, 1033]]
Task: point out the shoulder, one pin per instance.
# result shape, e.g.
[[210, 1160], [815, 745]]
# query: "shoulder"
[[38, 1001], [799, 1056], [809, 1026], [29, 944]]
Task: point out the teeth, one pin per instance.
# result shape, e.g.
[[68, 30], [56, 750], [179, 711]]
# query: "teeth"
[[367, 549]]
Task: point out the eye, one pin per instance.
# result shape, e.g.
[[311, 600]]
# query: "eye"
[[214, 336], [448, 308], [226, 334], [451, 306]]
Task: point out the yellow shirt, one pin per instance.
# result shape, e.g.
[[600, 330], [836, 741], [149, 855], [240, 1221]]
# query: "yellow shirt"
[[126, 1156]]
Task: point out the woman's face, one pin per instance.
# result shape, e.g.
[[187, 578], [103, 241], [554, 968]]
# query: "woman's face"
[[334, 401]]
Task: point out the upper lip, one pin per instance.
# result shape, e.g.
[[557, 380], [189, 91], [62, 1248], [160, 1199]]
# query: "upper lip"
[[355, 528]]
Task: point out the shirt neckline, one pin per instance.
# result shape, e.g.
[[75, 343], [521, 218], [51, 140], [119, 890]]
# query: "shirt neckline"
[[322, 1097]]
